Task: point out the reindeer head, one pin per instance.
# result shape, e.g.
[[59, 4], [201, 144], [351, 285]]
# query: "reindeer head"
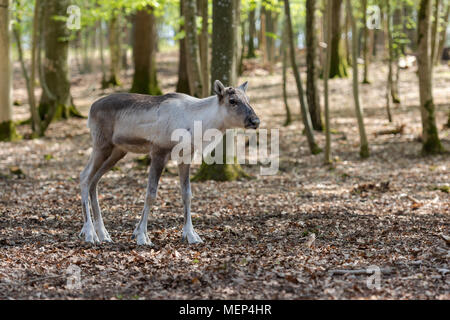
[[239, 113]]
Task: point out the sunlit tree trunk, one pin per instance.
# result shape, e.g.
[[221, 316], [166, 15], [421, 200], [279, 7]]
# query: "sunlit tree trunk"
[[304, 108], [192, 48], [7, 127], [364, 145], [312, 93], [435, 30], [442, 35], [30, 80], [338, 66], [430, 138]]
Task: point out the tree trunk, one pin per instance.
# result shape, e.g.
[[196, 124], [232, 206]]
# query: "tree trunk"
[[56, 101], [395, 54], [364, 145], [192, 49], [223, 68], [326, 72], [338, 67], [30, 81], [102, 53], [251, 30], [114, 50], [284, 74], [430, 138], [365, 44], [304, 108], [204, 47], [262, 33], [144, 78], [238, 39], [7, 127], [183, 81], [390, 60], [312, 94], [434, 31], [442, 36]]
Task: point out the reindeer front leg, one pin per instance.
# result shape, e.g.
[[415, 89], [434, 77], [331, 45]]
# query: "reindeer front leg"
[[188, 230], [157, 165]]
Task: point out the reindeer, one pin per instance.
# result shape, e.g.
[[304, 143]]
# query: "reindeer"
[[125, 122]]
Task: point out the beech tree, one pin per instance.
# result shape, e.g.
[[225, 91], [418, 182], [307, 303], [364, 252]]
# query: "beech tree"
[[7, 128], [430, 137]]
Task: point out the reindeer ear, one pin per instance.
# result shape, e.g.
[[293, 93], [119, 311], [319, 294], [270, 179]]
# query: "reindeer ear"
[[243, 86], [219, 88]]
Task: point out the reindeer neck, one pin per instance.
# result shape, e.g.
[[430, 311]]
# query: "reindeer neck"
[[209, 112]]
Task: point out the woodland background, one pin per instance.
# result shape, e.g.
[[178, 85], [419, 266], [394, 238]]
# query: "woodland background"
[[371, 190]]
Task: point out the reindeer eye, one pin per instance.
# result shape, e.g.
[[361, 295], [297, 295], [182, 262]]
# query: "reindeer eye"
[[232, 101]]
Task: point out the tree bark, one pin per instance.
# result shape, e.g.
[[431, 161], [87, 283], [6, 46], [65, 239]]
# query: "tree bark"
[[56, 101], [312, 94], [144, 78], [390, 60], [251, 30], [114, 50], [430, 138], [204, 47], [183, 81], [284, 39], [30, 80], [223, 68], [7, 127], [192, 48], [434, 31], [365, 44], [442, 36], [338, 67], [304, 108], [364, 145], [326, 72]]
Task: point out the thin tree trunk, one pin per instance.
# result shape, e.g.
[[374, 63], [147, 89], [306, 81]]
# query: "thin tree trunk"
[[434, 31], [364, 145], [430, 138], [192, 49], [304, 108], [204, 46], [263, 40], [390, 58], [251, 30], [30, 81], [183, 80], [114, 50], [312, 94], [284, 74], [338, 67], [365, 44], [325, 86], [7, 127], [102, 54], [442, 35]]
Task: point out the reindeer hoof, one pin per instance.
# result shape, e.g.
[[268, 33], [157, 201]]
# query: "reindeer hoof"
[[142, 238], [89, 234], [103, 235], [191, 237]]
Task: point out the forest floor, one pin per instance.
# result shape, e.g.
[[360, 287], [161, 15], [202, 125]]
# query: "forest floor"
[[390, 211]]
